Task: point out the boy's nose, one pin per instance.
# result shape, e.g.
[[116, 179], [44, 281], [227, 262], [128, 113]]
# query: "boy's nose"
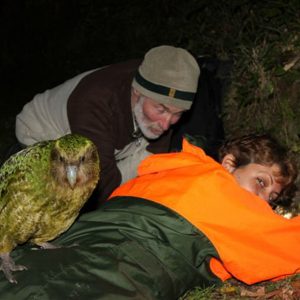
[[266, 195]]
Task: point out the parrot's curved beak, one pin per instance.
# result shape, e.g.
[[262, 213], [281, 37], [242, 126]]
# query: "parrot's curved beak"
[[71, 171]]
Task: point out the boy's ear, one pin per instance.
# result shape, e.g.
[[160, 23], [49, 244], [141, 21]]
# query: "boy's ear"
[[228, 162]]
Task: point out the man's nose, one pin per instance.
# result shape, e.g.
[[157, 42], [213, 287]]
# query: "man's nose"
[[165, 122]]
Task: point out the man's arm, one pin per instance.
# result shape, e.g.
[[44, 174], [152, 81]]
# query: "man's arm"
[[92, 112]]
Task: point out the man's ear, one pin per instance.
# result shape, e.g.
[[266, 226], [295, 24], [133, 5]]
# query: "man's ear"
[[135, 91], [134, 96], [228, 162]]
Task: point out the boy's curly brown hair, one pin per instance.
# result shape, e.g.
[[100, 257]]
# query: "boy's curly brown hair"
[[263, 149]]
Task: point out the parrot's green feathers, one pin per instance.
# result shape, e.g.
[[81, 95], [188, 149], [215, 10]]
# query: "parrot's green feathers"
[[74, 146], [43, 187]]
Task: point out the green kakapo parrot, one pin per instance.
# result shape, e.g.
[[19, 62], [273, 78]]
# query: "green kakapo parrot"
[[42, 189]]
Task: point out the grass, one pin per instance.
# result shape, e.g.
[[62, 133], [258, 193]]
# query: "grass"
[[285, 289]]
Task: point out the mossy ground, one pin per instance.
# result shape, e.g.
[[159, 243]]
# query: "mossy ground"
[[285, 289]]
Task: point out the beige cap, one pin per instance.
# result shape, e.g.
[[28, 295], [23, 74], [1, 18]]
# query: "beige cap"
[[168, 75]]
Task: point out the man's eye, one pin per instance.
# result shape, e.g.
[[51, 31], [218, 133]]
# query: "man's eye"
[[160, 109], [178, 114]]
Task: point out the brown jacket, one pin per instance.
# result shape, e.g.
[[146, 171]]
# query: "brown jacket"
[[100, 108]]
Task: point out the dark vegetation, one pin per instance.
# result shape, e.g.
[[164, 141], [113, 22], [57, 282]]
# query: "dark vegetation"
[[46, 42]]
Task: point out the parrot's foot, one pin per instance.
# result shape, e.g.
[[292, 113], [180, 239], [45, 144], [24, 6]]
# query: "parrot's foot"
[[8, 266], [47, 245]]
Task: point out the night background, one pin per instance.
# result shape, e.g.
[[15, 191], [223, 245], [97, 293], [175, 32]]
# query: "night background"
[[45, 42], [253, 48]]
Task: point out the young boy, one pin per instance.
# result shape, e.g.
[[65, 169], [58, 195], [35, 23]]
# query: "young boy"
[[261, 166], [185, 221]]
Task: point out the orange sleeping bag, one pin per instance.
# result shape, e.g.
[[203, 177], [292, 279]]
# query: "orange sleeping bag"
[[254, 243]]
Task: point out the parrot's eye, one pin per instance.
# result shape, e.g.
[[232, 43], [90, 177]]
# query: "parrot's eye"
[[94, 155], [56, 156]]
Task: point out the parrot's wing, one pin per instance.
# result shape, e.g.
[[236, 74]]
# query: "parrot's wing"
[[14, 171], [8, 181]]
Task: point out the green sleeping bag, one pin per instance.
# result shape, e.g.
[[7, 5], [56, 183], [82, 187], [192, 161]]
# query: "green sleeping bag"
[[130, 248]]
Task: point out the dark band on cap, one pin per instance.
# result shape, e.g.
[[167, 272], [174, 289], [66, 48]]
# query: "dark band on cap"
[[163, 90]]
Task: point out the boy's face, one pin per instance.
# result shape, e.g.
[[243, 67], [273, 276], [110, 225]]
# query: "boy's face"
[[259, 179]]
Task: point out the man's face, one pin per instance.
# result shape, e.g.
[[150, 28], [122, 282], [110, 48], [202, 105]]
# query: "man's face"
[[154, 118], [260, 180]]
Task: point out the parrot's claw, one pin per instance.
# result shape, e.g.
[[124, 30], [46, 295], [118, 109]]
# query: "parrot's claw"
[[50, 246], [47, 245], [8, 266]]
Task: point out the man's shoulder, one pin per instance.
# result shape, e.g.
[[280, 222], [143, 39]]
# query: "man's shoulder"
[[125, 68], [130, 65]]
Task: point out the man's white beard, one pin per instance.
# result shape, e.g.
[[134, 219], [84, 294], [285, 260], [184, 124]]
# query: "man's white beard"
[[143, 123]]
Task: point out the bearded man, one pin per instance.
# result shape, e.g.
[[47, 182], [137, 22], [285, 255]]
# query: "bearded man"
[[126, 109]]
